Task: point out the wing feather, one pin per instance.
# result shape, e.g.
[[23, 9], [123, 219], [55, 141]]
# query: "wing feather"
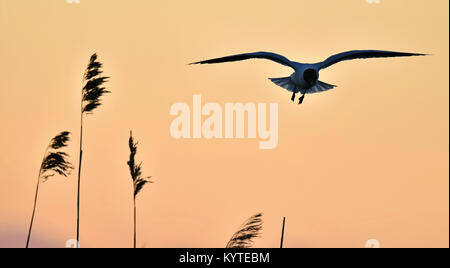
[[363, 54], [256, 55]]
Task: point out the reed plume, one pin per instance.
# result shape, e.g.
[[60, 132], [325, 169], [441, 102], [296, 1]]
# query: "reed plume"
[[55, 162], [136, 175], [91, 94], [251, 229]]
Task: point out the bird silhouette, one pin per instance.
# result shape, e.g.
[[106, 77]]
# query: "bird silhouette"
[[305, 79]]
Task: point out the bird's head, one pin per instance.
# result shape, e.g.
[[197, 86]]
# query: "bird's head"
[[310, 76]]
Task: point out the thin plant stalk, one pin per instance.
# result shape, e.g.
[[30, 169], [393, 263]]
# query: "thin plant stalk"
[[136, 175], [32, 215], [91, 94], [134, 205], [79, 180], [282, 232], [53, 162], [35, 202]]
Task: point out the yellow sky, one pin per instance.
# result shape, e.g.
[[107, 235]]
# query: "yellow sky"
[[368, 159]]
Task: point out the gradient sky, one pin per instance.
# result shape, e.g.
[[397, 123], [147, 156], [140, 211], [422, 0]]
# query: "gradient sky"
[[368, 159]]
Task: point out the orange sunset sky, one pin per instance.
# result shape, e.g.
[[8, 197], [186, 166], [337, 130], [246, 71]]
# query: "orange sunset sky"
[[368, 159]]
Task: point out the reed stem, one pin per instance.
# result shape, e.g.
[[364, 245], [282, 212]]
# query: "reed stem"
[[134, 204], [34, 210], [282, 232], [79, 170]]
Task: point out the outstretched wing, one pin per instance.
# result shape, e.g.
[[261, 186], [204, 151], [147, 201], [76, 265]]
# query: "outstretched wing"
[[363, 54], [256, 55]]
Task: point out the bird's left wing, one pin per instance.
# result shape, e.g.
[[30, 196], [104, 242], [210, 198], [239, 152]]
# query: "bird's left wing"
[[363, 54], [256, 55]]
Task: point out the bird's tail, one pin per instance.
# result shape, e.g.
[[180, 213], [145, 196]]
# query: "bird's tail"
[[320, 87], [285, 82]]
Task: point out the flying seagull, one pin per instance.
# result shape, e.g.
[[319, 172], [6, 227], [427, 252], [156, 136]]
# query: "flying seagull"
[[305, 78]]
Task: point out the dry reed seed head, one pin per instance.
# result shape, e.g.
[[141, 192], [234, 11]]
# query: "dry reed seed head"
[[131, 162], [93, 68], [243, 238], [139, 184], [93, 90], [60, 140], [93, 57], [56, 162], [136, 170]]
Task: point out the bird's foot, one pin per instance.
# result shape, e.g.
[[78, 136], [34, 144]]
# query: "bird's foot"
[[300, 100], [293, 97]]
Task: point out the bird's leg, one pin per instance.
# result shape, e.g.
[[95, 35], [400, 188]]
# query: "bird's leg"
[[300, 100], [293, 96]]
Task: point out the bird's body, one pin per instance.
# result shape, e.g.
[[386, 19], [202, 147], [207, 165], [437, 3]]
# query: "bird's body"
[[298, 76], [305, 79]]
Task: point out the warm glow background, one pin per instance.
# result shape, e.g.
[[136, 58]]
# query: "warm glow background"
[[366, 160]]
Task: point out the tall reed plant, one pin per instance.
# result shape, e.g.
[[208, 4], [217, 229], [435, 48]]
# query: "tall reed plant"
[[55, 162], [136, 175], [91, 93]]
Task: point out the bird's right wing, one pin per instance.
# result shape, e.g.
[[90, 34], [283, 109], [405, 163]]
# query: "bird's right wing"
[[256, 55], [363, 54]]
